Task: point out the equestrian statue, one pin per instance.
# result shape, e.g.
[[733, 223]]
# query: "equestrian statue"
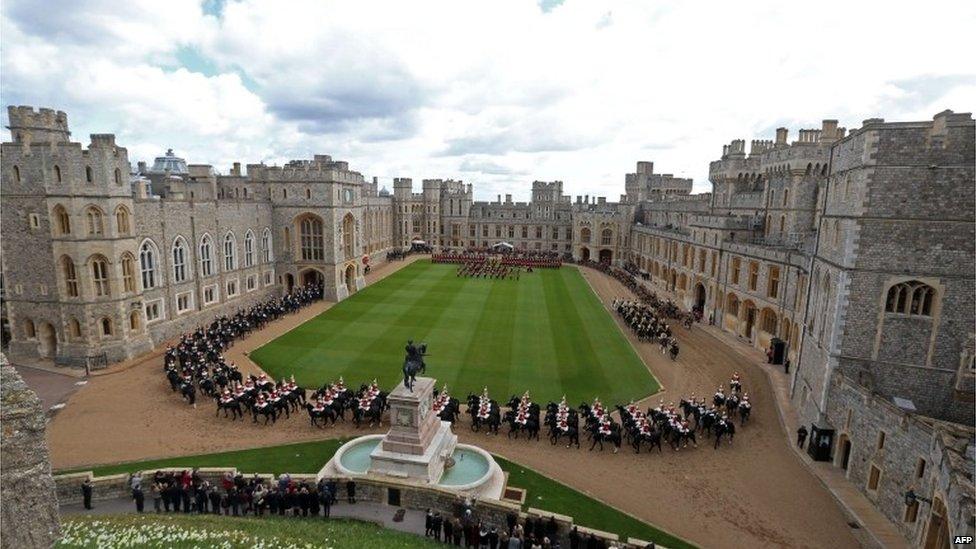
[[413, 363]]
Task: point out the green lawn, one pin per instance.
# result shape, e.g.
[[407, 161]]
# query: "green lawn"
[[309, 457], [546, 333], [202, 531], [302, 457]]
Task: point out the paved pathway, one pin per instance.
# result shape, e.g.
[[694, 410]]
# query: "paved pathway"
[[52, 388], [412, 523], [879, 530]]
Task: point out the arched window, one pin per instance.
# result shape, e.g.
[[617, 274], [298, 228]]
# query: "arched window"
[[824, 302], [134, 322], [118, 177], [266, 245], [782, 223], [836, 233], [179, 260], [74, 328], [57, 174], [348, 235], [206, 256], [122, 220], [99, 271], [148, 256], [606, 237], [732, 305], [88, 175], [70, 276], [230, 247], [310, 236], [106, 326], [786, 196], [62, 221], [128, 273], [911, 298], [249, 249], [585, 235], [95, 224], [16, 174]]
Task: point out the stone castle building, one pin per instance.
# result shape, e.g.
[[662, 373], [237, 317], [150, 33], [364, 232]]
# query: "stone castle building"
[[851, 249]]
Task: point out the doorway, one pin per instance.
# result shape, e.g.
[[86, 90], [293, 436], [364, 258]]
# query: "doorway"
[[312, 277], [700, 296], [845, 452], [48, 341], [585, 254], [351, 278], [289, 282], [606, 256]]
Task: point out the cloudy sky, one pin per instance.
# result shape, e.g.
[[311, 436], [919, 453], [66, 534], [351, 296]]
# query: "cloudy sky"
[[498, 93]]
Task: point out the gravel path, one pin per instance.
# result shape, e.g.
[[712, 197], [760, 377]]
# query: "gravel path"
[[755, 493]]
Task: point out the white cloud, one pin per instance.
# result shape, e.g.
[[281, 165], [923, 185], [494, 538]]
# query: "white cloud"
[[499, 93]]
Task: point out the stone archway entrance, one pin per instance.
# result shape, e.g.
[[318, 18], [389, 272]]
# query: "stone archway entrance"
[[47, 340], [606, 256], [351, 278], [311, 276], [700, 296], [289, 282], [585, 254]]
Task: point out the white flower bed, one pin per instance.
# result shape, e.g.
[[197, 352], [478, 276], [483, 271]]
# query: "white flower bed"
[[109, 534]]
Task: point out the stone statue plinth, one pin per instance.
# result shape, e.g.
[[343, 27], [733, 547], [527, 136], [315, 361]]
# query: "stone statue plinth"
[[418, 442]]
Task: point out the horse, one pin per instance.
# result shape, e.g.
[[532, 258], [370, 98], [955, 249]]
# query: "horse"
[[374, 413], [174, 379], [613, 437], [268, 411], [571, 433], [531, 426], [414, 365], [232, 406], [652, 439], [325, 414], [189, 392], [744, 410]]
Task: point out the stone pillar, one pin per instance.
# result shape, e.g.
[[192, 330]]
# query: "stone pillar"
[[30, 503]]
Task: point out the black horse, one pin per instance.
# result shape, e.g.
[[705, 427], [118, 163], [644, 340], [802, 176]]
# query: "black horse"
[[413, 364], [326, 414]]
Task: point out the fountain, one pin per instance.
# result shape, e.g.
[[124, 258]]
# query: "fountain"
[[419, 449]]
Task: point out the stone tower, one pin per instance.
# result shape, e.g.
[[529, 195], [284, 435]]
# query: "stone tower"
[[72, 207]]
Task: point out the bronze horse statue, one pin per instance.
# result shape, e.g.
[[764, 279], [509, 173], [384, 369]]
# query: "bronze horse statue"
[[413, 364]]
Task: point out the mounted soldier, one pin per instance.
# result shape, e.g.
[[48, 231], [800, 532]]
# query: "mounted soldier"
[[413, 363]]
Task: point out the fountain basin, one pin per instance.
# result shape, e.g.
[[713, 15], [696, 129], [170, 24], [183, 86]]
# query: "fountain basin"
[[474, 470]]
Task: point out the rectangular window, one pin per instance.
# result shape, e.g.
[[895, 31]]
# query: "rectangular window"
[[874, 478], [267, 278], [184, 302], [773, 282], [736, 267], [232, 288], [881, 439], [911, 512], [251, 283], [209, 295], [154, 310], [35, 221], [753, 275]]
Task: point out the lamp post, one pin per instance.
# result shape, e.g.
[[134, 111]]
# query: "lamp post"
[[911, 497]]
